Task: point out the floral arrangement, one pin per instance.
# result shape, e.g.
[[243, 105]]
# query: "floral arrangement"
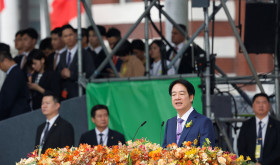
[[139, 152]]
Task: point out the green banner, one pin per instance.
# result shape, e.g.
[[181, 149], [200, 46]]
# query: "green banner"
[[131, 103]]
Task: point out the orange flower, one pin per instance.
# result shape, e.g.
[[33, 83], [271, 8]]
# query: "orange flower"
[[189, 162]]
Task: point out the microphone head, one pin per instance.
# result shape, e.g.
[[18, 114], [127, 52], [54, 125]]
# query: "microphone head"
[[143, 123], [162, 123]]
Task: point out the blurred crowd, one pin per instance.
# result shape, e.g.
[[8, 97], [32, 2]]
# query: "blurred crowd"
[[53, 67]]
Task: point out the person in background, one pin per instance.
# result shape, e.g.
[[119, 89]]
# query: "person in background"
[[43, 80], [58, 46], [184, 64], [259, 136], [157, 49], [138, 49], [46, 47], [95, 49], [131, 65], [101, 135], [113, 36], [18, 46], [84, 38], [29, 38], [55, 132], [14, 95], [68, 64]]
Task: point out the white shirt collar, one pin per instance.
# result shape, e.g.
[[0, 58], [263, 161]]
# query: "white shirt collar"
[[9, 70], [61, 50], [52, 120], [186, 115], [98, 49], [25, 53], [264, 121], [180, 45], [105, 132], [73, 50]]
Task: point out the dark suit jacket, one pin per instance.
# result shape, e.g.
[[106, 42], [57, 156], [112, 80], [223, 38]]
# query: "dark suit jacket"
[[14, 95], [113, 138], [247, 141], [49, 61], [71, 84], [18, 58], [61, 134], [50, 82], [27, 65], [200, 129], [185, 65], [97, 60]]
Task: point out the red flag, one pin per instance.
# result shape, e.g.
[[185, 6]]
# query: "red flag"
[[2, 5], [63, 11]]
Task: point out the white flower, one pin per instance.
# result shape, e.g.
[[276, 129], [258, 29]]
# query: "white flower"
[[222, 160]]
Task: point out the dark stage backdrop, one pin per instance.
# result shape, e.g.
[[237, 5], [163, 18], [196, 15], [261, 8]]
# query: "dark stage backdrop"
[[133, 102]]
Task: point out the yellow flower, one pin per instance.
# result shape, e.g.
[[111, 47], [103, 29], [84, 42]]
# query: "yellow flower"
[[189, 124], [241, 158]]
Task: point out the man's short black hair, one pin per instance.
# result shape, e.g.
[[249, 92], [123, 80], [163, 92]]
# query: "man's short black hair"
[[124, 49], [57, 31], [37, 54], [46, 44], [19, 33], [101, 29], [138, 44], [98, 107], [186, 83], [54, 96], [260, 94], [5, 52], [113, 32], [68, 26], [31, 32]]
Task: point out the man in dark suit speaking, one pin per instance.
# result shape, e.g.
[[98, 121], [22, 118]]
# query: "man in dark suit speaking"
[[55, 132], [259, 136], [14, 93], [188, 125], [101, 134]]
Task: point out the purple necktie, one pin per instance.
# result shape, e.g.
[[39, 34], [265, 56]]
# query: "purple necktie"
[[179, 130]]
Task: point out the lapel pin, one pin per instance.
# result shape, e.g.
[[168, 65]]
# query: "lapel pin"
[[55, 124], [112, 137], [270, 126]]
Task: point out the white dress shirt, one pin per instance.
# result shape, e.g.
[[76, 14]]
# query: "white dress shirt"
[[156, 69], [104, 137], [264, 127], [73, 52]]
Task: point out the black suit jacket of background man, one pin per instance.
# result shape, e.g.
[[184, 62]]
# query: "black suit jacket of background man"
[[61, 134], [97, 60], [113, 138], [247, 141], [14, 95], [71, 84], [186, 65]]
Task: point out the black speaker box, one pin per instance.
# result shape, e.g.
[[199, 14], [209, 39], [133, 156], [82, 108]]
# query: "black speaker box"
[[260, 27]]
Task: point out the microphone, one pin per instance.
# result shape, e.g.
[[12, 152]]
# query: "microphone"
[[160, 132], [138, 129]]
